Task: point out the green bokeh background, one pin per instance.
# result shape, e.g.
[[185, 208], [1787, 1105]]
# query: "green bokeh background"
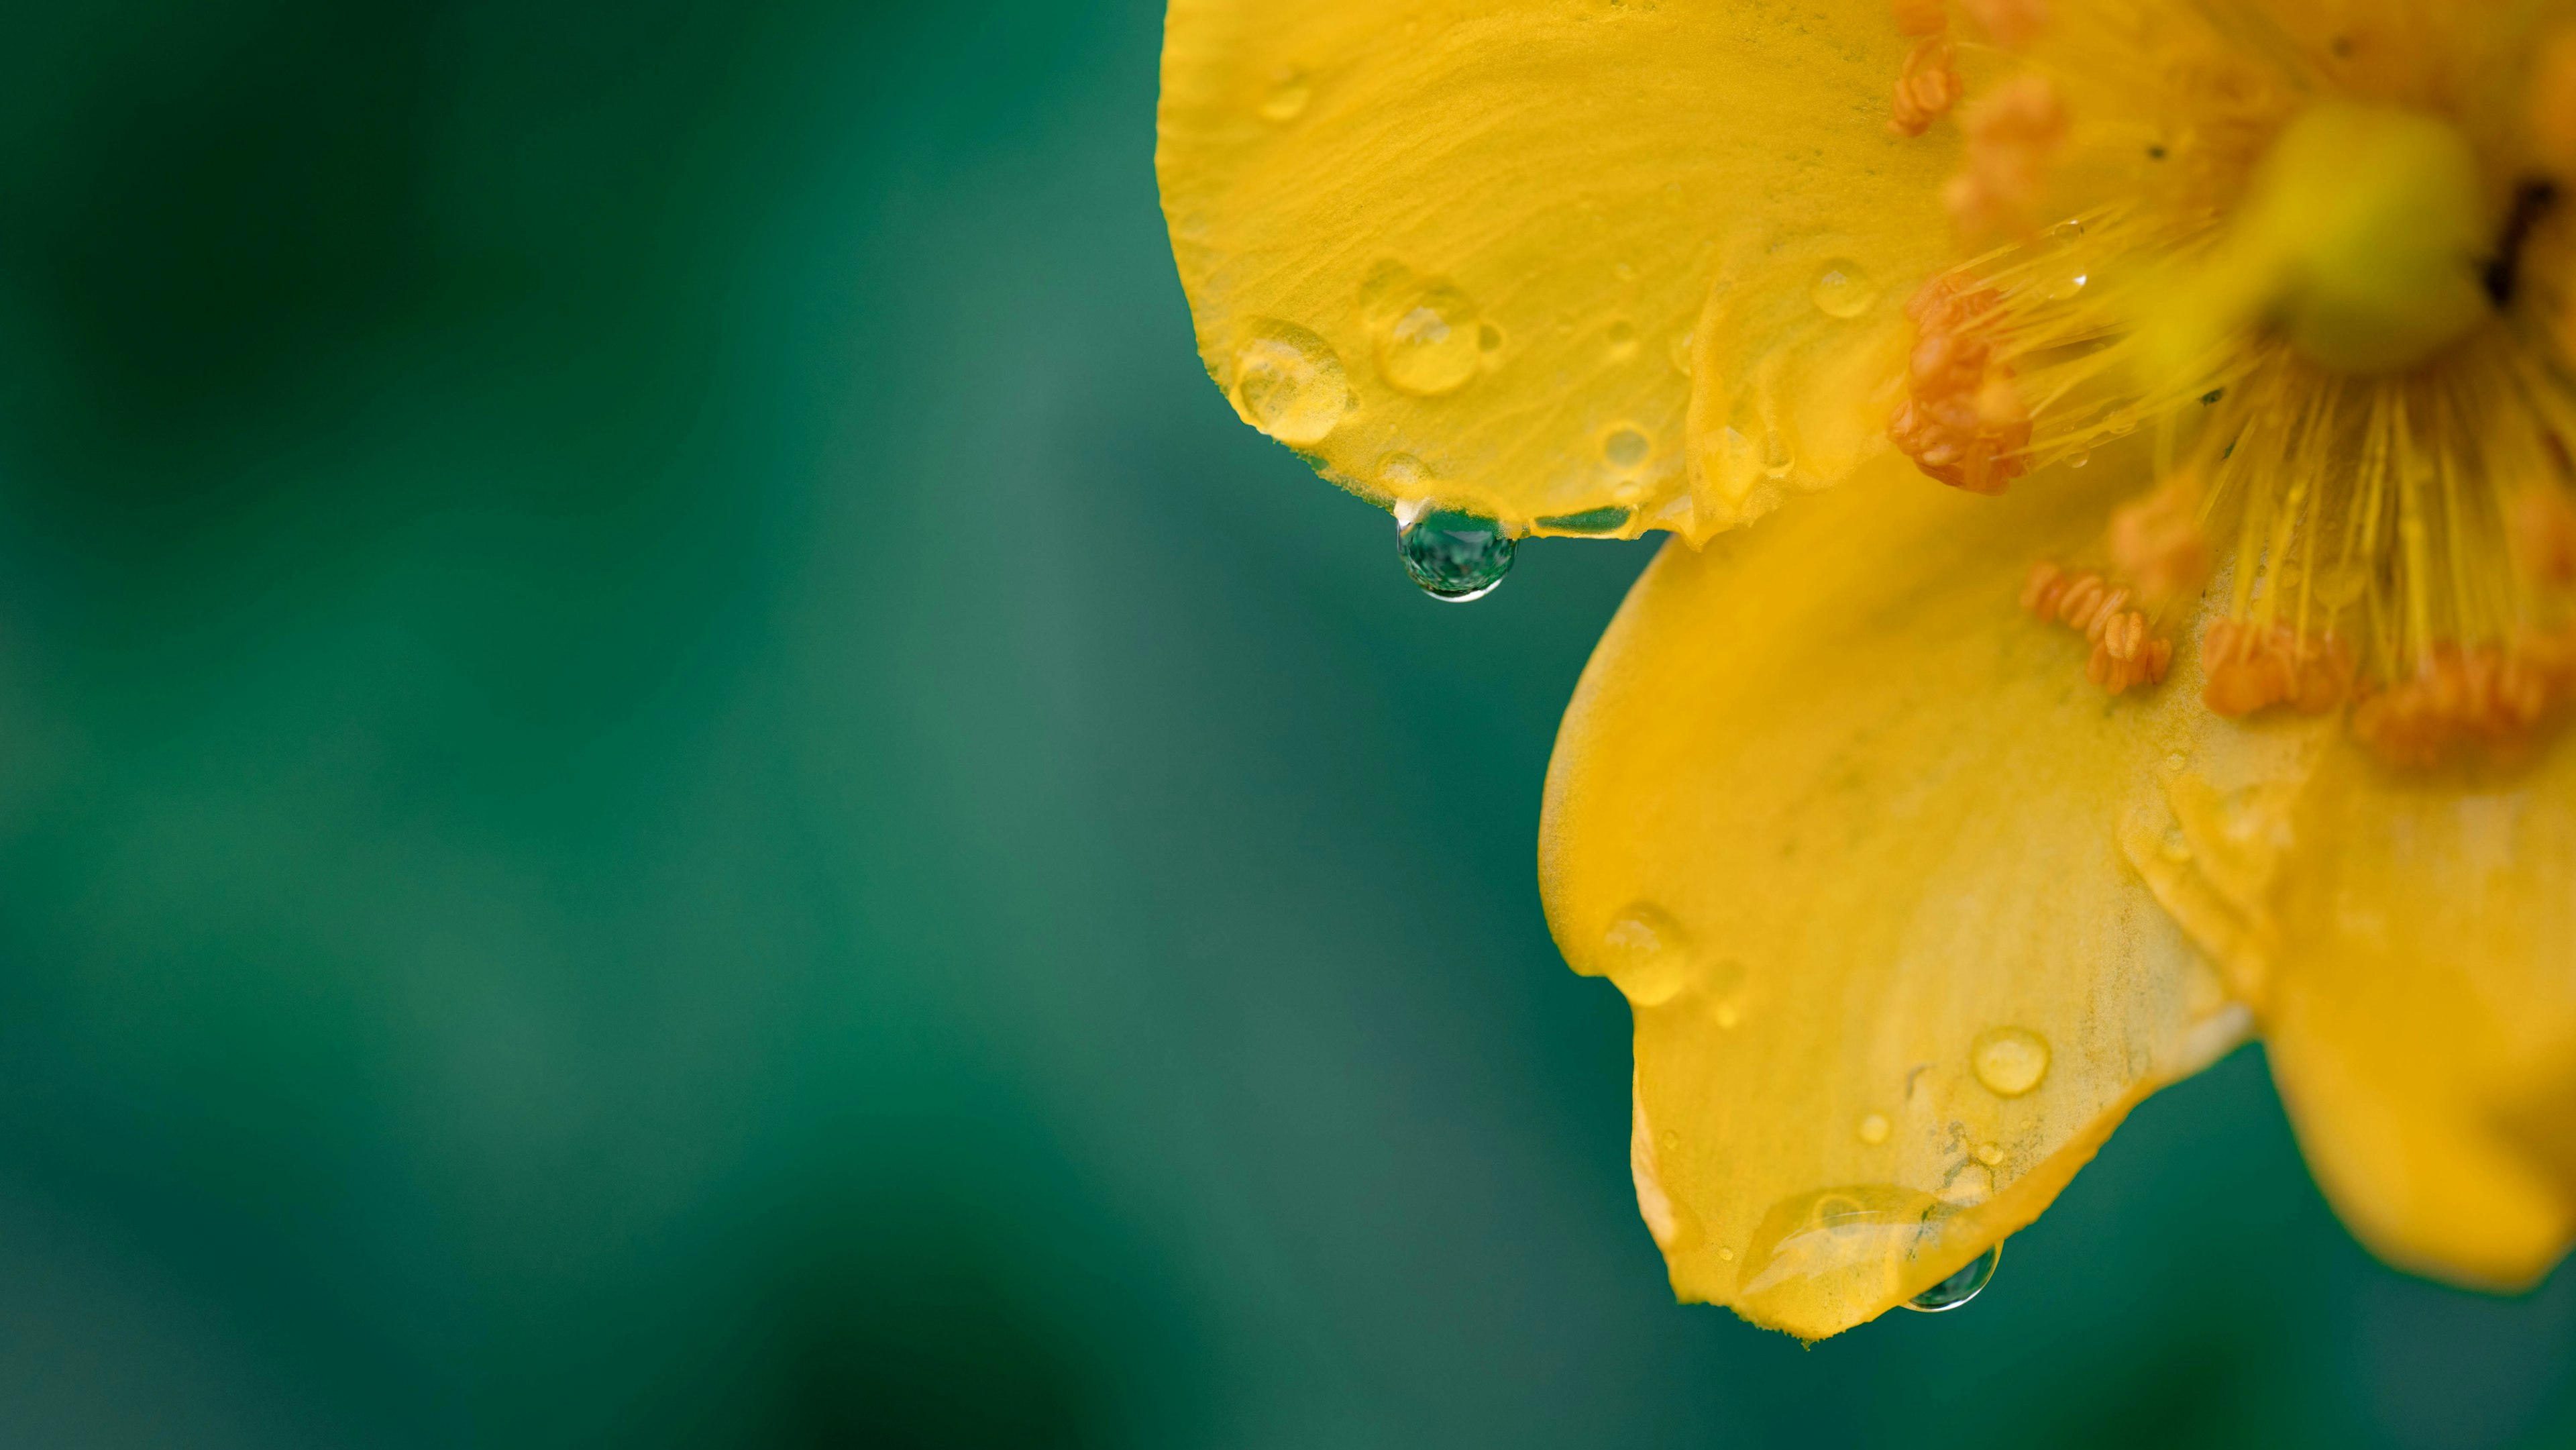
[[668, 778]]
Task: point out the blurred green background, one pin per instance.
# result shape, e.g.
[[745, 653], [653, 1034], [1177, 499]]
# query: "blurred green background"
[[667, 777]]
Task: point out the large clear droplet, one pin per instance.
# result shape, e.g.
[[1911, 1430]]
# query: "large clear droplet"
[[1843, 289], [1960, 1287], [1289, 383], [1456, 556]]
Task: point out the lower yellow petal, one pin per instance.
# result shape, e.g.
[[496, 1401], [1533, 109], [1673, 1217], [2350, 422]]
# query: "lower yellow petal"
[[2422, 1019], [1468, 252], [1864, 851]]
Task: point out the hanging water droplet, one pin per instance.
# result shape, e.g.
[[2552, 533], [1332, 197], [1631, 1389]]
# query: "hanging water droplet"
[[1625, 448], [1623, 340], [1960, 1287], [2079, 460], [1843, 289], [1289, 384], [2010, 1061], [1456, 557], [1874, 1128], [1428, 342]]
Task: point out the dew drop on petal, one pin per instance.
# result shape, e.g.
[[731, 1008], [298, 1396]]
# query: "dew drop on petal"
[[2079, 460], [1874, 1128], [1625, 448], [1960, 1287], [2010, 1061], [1455, 557], [1647, 954], [1429, 340], [1286, 101], [1623, 340], [1289, 384], [1843, 289]]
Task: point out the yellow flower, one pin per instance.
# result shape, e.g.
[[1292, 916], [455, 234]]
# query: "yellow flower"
[[1928, 829]]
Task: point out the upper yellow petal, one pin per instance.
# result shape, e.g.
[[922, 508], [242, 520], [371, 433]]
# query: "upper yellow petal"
[[1469, 252], [2422, 1020], [1859, 843]]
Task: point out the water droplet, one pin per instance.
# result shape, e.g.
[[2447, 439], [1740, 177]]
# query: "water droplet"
[[1286, 102], [1647, 954], [2079, 460], [1814, 1253], [2065, 287], [1726, 1255], [1960, 1287], [2175, 847], [1680, 349], [1625, 448], [1843, 289], [1874, 1128], [1489, 338], [1989, 1154], [1427, 340], [2175, 761], [2067, 230], [1454, 556], [1590, 521], [2010, 1061], [1289, 384], [1623, 339], [1403, 474]]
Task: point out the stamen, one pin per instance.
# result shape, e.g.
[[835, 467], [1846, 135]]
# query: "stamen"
[[1927, 86], [2126, 653], [2012, 135], [2254, 666], [1919, 17], [2158, 540], [1962, 421], [2012, 23], [2465, 700]]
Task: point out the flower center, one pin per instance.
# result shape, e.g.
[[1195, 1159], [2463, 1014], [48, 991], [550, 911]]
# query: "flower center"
[[2362, 240], [2284, 256]]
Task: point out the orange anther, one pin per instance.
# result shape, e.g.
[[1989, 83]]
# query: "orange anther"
[[1927, 86], [2012, 136], [1919, 17], [1962, 421], [2465, 699], [2125, 654], [2157, 540], [2012, 23], [2254, 667]]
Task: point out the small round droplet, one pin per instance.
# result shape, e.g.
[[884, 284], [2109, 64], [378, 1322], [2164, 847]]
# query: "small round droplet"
[[1289, 384], [1403, 475], [1428, 341], [1456, 557], [1625, 448], [1489, 338], [1874, 1128], [1960, 1287], [1286, 102], [2175, 847], [2175, 761], [2010, 1061], [2079, 460], [1843, 289], [1726, 1255], [1623, 339], [1647, 954], [1989, 1154], [1680, 350]]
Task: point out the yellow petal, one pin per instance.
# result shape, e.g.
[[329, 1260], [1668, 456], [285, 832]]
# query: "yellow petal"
[[1856, 838], [1459, 251], [2422, 1021]]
